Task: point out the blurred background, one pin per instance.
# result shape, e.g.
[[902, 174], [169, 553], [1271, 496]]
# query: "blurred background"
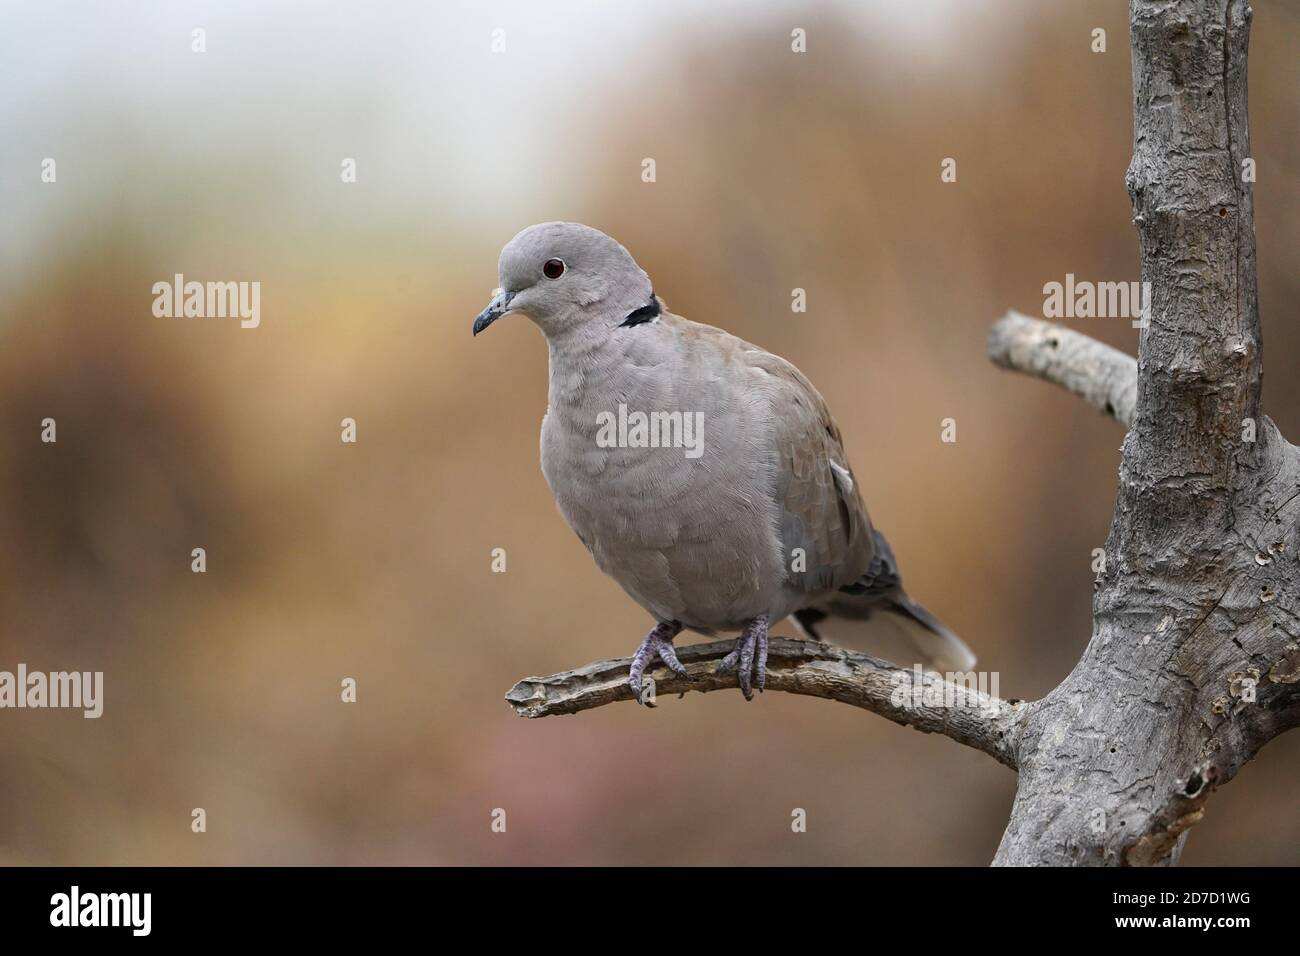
[[775, 170]]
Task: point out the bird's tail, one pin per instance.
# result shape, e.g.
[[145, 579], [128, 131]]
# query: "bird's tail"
[[875, 614]]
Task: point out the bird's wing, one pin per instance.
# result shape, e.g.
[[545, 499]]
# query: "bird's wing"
[[821, 507]]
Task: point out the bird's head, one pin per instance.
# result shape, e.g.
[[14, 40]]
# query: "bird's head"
[[568, 277]]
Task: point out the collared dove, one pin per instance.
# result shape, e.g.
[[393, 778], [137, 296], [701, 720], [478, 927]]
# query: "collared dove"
[[729, 503]]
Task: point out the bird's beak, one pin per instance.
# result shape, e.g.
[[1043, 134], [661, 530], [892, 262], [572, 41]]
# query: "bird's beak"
[[498, 307]]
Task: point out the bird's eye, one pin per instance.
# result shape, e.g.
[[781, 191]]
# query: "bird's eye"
[[553, 268]]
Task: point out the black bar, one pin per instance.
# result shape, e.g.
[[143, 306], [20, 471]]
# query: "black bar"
[[618, 905]]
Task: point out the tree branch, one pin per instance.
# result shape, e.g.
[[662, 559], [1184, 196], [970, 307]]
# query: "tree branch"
[[1104, 377], [907, 697], [1201, 352], [1192, 607], [1182, 810]]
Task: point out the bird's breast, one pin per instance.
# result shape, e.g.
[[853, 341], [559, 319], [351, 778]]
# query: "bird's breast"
[[681, 522]]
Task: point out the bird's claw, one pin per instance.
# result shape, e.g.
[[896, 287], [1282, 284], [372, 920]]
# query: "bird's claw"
[[658, 645], [749, 658]]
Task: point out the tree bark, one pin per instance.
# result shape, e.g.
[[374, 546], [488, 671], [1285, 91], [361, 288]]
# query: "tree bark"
[[1103, 377], [922, 701], [1195, 612]]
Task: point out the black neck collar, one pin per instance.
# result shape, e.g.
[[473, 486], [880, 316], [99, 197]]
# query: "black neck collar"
[[646, 313]]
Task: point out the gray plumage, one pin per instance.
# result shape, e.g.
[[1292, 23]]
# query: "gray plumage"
[[766, 523]]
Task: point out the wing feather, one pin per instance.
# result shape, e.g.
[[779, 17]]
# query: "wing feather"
[[821, 509]]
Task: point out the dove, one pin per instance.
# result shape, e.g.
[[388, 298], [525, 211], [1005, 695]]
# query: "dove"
[[753, 518]]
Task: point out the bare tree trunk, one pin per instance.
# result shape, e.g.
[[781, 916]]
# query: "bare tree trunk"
[[1195, 613], [1194, 662]]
